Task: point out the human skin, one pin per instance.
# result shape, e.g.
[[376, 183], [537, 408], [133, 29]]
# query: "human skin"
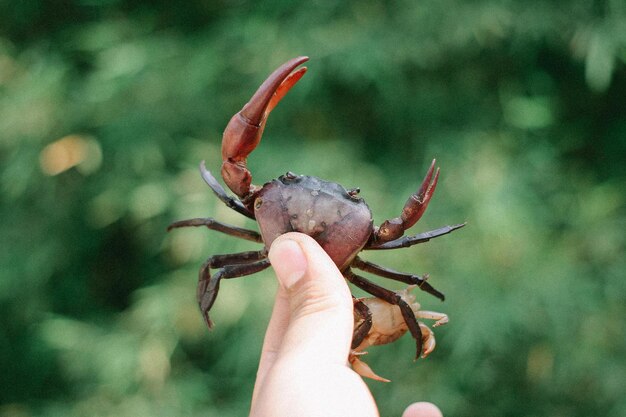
[[303, 370]]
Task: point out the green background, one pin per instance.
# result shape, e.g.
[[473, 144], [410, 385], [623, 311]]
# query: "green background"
[[523, 103]]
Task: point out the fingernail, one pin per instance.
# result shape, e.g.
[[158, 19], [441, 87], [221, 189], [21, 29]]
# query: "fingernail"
[[288, 261]]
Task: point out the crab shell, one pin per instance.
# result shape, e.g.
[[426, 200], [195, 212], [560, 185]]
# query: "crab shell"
[[340, 222]]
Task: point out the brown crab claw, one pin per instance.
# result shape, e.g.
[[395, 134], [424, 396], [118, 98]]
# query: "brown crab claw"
[[243, 132], [413, 209], [417, 203]]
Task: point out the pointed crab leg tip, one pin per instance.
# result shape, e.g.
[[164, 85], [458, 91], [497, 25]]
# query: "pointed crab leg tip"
[[209, 323], [207, 176], [418, 354], [365, 371]]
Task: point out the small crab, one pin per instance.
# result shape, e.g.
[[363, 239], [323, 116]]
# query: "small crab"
[[388, 325], [337, 218]]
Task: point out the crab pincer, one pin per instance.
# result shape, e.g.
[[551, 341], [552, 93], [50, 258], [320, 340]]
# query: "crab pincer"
[[243, 132], [413, 209]]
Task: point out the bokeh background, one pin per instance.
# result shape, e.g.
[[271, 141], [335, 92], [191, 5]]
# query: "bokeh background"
[[107, 107]]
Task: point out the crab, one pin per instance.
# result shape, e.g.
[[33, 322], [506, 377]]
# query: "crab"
[[336, 217], [388, 325]]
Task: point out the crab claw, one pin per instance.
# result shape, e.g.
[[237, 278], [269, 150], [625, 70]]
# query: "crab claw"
[[243, 132], [413, 209], [417, 203]]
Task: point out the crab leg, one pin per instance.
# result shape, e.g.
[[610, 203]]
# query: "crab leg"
[[219, 261], [219, 191], [220, 227], [245, 128], [208, 286], [429, 340], [413, 209], [406, 241], [392, 298], [398, 276], [387, 325], [362, 329], [433, 315], [362, 368]]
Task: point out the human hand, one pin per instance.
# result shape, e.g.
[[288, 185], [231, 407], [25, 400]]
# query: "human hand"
[[304, 370]]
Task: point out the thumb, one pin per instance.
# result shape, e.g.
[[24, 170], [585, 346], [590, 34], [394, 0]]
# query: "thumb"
[[320, 305]]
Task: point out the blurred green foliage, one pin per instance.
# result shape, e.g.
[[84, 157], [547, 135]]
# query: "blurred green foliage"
[[107, 107]]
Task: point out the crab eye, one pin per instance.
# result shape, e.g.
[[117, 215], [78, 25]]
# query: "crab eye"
[[354, 192]]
